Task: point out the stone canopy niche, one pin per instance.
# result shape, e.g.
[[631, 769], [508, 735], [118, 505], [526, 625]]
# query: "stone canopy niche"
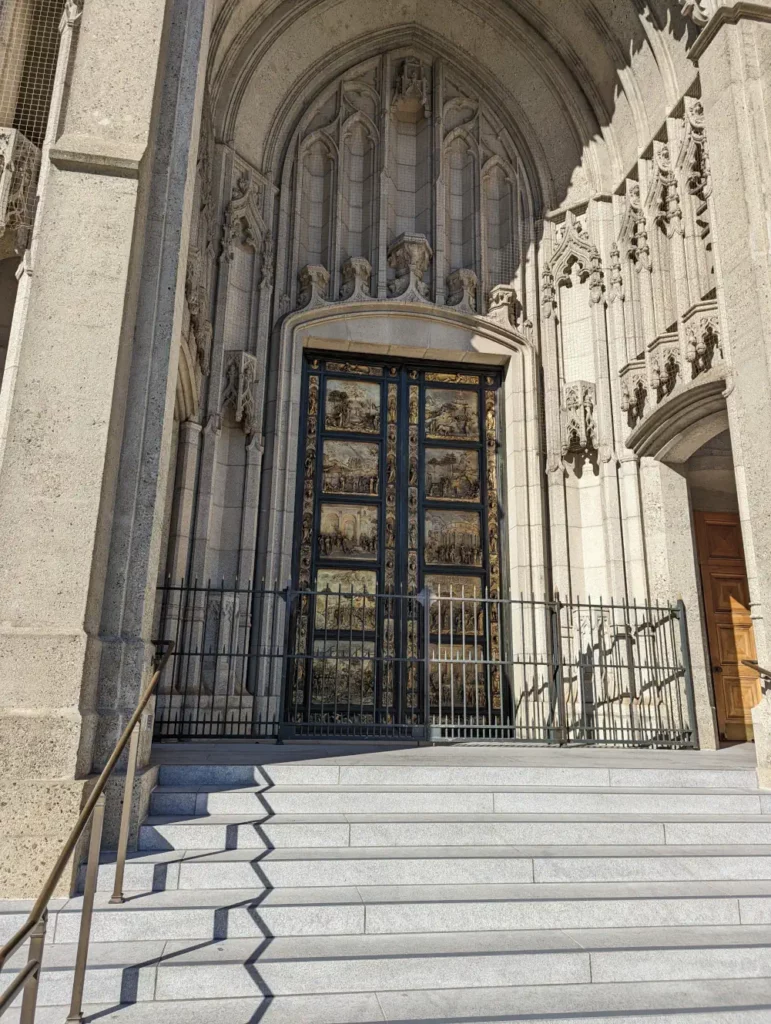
[[401, 182]]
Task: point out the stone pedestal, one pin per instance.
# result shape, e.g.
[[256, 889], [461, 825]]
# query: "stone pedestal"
[[87, 333]]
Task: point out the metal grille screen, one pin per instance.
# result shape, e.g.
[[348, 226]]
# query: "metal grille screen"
[[29, 43]]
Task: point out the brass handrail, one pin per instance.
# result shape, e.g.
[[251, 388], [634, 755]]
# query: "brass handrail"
[[35, 925]]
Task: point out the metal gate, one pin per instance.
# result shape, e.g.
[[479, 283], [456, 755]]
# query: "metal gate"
[[288, 663]]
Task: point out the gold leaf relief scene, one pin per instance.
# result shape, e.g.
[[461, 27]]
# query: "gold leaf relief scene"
[[456, 599], [349, 605], [459, 674], [348, 531], [452, 415], [343, 672], [353, 406], [453, 538], [350, 467], [452, 475]]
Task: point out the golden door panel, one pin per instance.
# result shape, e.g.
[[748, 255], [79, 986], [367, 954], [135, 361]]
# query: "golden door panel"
[[458, 675], [735, 643], [453, 538], [350, 467], [452, 475], [343, 672], [348, 606], [353, 406], [348, 531], [452, 415], [454, 596]]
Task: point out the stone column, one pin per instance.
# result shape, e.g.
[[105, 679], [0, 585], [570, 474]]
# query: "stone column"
[[733, 53], [108, 239]]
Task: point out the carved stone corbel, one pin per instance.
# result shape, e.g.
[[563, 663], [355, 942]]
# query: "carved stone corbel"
[[502, 305], [240, 378], [665, 365], [357, 278], [462, 290], [704, 345], [410, 256], [634, 390], [314, 287]]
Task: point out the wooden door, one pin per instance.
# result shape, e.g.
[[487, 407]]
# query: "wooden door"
[[729, 625]]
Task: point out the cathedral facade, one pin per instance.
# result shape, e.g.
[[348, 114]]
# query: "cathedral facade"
[[342, 335]]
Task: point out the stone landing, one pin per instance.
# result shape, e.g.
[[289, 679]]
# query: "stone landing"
[[354, 883]]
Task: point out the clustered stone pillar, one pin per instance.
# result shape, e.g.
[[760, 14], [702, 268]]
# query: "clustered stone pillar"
[[89, 423], [733, 54]]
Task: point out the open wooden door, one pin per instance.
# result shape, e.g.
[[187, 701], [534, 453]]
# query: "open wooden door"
[[729, 624]]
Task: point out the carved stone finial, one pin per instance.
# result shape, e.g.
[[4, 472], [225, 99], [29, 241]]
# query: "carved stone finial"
[[240, 378], [596, 277], [411, 90], [616, 288], [670, 215], [410, 256], [639, 248], [548, 293], [462, 290], [357, 276], [699, 179], [579, 400], [502, 305], [314, 287]]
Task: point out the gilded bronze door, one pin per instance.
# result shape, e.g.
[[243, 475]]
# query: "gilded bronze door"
[[397, 497]]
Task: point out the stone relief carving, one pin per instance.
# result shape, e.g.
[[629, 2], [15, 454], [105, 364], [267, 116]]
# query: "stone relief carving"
[[639, 251], [314, 287], [670, 215], [579, 400], [357, 276], [19, 166], [696, 152], [634, 390], [410, 257], [503, 306], [200, 331], [239, 382], [616, 283], [665, 365], [695, 10], [462, 291], [411, 90], [704, 346]]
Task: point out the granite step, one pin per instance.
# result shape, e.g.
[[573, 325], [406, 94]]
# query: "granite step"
[[438, 865], [214, 800], [406, 909], [442, 828], [123, 972]]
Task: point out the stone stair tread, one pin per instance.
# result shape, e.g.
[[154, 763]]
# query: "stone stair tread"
[[711, 1002], [171, 899], [459, 788], [441, 852], [453, 817]]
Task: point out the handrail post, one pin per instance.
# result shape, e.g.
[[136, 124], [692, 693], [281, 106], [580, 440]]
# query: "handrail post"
[[125, 818], [36, 946], [89, 891]]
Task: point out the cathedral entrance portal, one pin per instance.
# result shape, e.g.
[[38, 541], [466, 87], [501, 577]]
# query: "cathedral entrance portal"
[[399, 500]]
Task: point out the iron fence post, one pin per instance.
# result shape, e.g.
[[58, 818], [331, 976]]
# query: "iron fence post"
[[556, 733], [86, 915], [36, 948], [685, 650], [425, 599]]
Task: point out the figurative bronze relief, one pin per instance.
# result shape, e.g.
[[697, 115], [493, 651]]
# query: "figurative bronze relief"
[[348, 531], [353, 406], [456, 677], [452, 474], [456, 600], [350, 467], [343, 672], [452, 415], [350, 605], [453, 538]]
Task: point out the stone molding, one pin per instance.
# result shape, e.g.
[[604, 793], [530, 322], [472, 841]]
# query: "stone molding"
[[721, 14]]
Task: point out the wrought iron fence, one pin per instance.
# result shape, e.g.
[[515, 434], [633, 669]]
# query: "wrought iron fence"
[[443, 667]]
